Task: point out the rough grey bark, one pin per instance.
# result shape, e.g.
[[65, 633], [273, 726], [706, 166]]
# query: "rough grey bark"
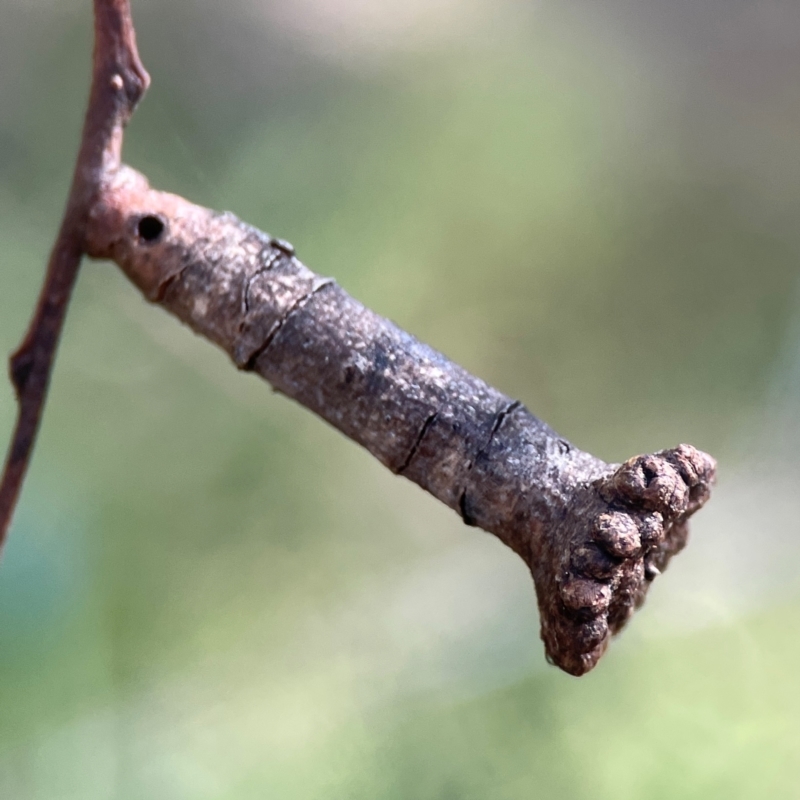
[[594, 535]]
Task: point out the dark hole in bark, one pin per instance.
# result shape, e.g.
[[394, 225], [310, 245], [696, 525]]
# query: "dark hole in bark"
[[150, 228], [648, 475]]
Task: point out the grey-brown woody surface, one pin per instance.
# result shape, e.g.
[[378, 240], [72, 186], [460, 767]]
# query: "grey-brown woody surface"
[[594, 535]]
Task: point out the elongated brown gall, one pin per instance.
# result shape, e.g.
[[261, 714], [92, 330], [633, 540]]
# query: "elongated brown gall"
[[594, 535], [591, 533]]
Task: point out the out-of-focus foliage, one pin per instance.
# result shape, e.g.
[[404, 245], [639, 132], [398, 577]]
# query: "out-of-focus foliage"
[[208, 593]]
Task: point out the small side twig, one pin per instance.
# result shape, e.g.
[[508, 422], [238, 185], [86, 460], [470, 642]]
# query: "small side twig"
[[118, 82]]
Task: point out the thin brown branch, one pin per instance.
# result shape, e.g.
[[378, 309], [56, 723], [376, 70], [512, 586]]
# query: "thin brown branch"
[[594, 535], [118, 82]]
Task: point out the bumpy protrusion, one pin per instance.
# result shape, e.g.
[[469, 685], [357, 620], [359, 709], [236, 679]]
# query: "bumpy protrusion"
[[616, 542], [618, 534]]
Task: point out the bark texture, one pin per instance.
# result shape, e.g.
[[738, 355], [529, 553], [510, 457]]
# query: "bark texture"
[[594, 535]]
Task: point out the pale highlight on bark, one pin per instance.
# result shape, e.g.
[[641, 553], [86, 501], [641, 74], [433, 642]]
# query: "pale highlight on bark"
[[594, 535]]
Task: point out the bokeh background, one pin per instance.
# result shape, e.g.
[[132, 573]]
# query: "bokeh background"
[[593, 204]]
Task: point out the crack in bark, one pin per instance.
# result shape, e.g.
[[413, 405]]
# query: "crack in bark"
[[415, 447], [468, 518], [275, 255], [509, 409], [164, 286], [276, 328], [287, 248]]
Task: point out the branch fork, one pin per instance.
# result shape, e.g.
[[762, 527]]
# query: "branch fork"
[[594, 535]]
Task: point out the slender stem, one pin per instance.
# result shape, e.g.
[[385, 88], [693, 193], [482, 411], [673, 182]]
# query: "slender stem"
[[118, 83]]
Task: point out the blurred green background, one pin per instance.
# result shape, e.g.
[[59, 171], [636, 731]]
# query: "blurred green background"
[[208, 593]]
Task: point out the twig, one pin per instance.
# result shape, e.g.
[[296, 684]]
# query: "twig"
[[594, 535], [118, 82]]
